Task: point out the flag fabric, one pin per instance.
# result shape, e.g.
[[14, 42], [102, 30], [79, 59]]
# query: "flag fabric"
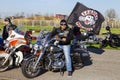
[[89, 18]]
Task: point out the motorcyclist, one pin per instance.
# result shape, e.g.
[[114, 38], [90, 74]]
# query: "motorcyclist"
[[76, 31], [65, 34], [8, 26]]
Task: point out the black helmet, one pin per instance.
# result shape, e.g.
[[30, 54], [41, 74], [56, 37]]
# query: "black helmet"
[[7, 19]]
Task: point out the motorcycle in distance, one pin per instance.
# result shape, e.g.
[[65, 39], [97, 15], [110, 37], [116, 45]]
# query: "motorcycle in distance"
[[113, 40], [90, 37], [48, 55], [15, 50]]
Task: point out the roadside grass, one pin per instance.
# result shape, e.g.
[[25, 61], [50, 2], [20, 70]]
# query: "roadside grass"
[[113, 30], [36, 28], [49, 28], [1, 27]]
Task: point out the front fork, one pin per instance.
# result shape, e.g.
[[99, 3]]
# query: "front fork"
[[6, 58], [36, 63]]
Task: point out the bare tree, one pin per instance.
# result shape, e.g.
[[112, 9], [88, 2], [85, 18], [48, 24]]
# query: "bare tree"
[[111, 17], [17, 15], [111, 13], [22, 15]]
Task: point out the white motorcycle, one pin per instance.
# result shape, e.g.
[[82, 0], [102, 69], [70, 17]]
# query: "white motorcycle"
[[15, 50]]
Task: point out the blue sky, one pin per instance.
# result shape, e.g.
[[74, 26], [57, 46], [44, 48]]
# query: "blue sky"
[[11, 7]]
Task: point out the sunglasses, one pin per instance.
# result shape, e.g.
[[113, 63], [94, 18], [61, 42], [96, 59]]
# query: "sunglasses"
[[63, 24], [6, 20]]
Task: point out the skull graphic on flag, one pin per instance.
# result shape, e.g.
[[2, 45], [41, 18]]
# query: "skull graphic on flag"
[[86, 17]]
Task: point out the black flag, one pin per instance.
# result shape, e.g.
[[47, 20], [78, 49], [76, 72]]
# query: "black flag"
[[87, 17]]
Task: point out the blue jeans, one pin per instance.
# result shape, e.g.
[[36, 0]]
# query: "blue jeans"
[[1, 42], [66, 49]]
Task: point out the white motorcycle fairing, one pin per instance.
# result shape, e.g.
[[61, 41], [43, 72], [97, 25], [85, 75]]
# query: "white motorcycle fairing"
[[14, 35]]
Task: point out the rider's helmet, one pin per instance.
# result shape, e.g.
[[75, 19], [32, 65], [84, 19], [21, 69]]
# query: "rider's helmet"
[[7, 19]]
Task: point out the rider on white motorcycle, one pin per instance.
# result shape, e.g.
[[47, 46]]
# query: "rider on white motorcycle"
[[8, 26]]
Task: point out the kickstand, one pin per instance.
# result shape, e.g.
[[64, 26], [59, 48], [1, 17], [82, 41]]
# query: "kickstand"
[[61, 72]]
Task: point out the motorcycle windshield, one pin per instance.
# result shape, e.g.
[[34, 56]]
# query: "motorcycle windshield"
[[19, 31], [43, 37]]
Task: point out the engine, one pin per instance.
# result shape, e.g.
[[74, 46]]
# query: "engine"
[[56, 61]]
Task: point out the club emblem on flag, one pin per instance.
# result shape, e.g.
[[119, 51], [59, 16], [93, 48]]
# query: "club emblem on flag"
[[87, 17]]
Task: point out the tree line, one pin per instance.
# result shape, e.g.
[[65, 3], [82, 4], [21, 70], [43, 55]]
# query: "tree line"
[[111, 19]]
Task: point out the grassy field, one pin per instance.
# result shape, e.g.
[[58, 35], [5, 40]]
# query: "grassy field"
[[113, 30], [49, 28], [38, 28]]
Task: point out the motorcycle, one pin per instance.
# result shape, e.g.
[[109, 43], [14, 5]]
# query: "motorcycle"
[[15, 50], [113, 40], [90, 37], [48, 55]]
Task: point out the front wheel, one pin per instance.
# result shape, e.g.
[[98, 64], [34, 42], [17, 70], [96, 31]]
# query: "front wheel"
[[7, 64], [28, 68], [103, 44]]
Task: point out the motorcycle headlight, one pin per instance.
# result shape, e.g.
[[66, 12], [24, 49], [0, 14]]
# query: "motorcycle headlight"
[[35, 47]]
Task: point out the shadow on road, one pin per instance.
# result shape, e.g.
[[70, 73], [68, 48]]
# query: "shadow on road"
[[95, 50], [43, 71], [88, 63]]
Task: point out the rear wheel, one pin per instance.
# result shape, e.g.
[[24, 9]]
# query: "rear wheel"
[[114, 43], [77, 61]]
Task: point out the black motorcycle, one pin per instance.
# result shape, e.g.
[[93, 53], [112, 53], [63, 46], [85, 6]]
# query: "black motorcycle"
[[113, 40], [90, 37], [48, 55]]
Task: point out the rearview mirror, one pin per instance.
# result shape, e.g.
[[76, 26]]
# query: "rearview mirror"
[[107, 28]]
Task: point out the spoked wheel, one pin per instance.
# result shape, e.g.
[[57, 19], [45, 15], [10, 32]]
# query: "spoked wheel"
[[77, 61], [28, 68], [114, 43], [4, 66]]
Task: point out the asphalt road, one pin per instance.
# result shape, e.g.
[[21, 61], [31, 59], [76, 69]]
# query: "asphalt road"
[[105, 66]]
